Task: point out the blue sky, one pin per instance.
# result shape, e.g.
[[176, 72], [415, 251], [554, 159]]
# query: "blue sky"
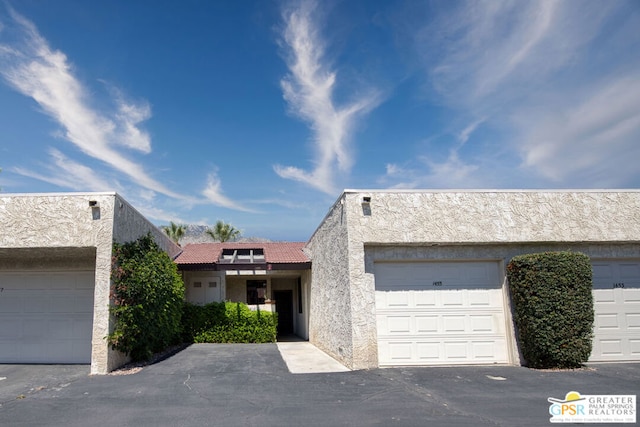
[[260, 113]]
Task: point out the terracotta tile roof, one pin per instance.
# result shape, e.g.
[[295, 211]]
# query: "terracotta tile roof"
[[274, 252]]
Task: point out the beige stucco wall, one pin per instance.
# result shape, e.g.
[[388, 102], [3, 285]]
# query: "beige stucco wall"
[[203, 276], [496, 216], [330, 305], [129, 224], [54, 231], [467, 225]]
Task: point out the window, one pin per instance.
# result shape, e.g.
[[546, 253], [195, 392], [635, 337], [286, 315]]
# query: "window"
[[197, 284], [256, 291], [213, 284], [242, 256]]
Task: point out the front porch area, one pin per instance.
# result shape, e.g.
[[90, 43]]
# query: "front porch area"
[[272, 277]]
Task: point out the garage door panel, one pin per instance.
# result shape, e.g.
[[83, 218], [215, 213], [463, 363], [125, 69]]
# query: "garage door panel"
[[46, 317], [616, 295], [427, 351], [455, 351], [453, 324], [480, 299], [60, 329], [612, 347], [425, 299], [66, 303], [397, 299], [630, 295], [426, 324], [608, 321], [452, 298], [35, 304], [483, 323], [9, 328], [633, 321], [401, 351], [85, 281], [605, 296], [34, 329], [484, 350], [10, 303], [399, 324], [440, 313]]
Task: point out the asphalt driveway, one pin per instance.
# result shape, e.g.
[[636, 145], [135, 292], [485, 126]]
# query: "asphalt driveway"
[[249, 385]]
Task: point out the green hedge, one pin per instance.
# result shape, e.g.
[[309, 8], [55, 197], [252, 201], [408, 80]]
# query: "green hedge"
[[553, 307], [227, 322], [147, 298]]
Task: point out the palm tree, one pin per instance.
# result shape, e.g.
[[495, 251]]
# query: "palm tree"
[[223, 232], [174, 231]]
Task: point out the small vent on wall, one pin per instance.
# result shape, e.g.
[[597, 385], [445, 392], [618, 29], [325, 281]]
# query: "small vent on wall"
[[95, 209], [366, 205], [213, 284], [197, 284]]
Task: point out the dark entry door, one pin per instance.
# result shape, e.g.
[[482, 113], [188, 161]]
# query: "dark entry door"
[[284, 308]]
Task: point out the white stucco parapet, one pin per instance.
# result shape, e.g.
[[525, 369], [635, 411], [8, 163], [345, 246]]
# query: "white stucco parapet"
[[494, 216]]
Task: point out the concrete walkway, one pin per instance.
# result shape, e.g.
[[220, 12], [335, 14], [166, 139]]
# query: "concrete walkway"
[[302, 357]]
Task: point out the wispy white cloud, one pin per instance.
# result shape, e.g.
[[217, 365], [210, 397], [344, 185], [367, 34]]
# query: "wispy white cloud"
[[67, 173], [597, 137], [486, 46], [464, 135], [32, 68], [128, 117], [450, 173], [556, 83], [309, 89], [213, 192]]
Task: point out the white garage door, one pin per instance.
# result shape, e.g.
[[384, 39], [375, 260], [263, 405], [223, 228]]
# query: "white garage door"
[[616, 294], [46, 317], [440, 313]]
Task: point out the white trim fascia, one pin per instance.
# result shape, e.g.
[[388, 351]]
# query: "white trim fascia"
[[61, 194], [477, 190]]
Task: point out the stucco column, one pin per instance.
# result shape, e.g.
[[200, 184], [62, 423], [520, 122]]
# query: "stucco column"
[[103, 232]]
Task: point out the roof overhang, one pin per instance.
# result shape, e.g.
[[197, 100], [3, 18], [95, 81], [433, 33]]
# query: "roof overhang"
[[246, 267]]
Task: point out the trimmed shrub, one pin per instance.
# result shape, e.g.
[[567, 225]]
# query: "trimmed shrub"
[[147, 295], [553, 307], [227, 322]]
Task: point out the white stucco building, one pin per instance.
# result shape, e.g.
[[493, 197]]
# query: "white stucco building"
[[388, 278], [418, 277], [55, 275]]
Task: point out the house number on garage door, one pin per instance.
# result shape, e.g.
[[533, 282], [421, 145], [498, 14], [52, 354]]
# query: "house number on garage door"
[[618, 285], [437, 283]]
